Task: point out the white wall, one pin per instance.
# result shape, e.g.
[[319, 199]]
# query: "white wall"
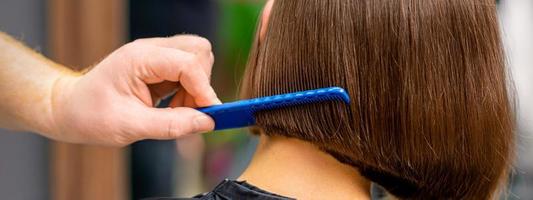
[[517, 21]]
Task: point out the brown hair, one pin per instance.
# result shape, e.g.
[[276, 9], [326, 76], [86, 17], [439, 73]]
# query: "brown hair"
[[431, 115]]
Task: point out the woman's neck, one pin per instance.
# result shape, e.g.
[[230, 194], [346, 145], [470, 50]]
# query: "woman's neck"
[[297, 169]]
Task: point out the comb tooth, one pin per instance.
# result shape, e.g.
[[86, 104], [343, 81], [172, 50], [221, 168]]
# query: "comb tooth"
[[241, 113], [298, 99]]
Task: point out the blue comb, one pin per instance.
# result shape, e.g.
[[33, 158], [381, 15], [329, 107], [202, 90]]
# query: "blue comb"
[[240, 114]]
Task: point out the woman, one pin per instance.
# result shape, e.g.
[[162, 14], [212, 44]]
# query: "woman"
[[430, 118]]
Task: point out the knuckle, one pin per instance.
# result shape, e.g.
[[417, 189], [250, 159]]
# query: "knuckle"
[[131, 49], [189, 60], [202, 43], [178, 64]]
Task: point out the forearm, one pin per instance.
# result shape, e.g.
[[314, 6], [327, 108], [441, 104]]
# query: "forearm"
[[27, 82]]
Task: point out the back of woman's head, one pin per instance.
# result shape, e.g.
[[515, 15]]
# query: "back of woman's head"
[[430, 115]]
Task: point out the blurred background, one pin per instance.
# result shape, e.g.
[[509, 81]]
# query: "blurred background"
[[79, 33]]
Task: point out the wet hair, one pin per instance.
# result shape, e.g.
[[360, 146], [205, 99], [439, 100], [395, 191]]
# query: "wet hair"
[[431, 115]]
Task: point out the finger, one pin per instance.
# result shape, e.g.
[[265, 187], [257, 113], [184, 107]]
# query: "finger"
[[172, 123], [199, 46], [209, 68], [154, 65], [197, 84], [189, 43]]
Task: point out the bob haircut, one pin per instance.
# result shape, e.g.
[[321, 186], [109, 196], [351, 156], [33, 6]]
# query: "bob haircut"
[[431, 114]]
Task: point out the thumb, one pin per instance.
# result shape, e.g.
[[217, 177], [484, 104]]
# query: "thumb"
[[172, 123]]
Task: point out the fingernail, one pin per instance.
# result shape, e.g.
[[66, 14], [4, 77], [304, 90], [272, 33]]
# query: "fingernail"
[[203, 123], [217, 101], [214, 98]]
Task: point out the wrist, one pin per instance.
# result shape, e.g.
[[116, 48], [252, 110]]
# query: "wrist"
[[59, 94]]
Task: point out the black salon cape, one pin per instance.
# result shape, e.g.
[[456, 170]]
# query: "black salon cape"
[[228, 190]]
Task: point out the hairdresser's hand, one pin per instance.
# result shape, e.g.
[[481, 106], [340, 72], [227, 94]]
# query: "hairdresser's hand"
[[113, 103]]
